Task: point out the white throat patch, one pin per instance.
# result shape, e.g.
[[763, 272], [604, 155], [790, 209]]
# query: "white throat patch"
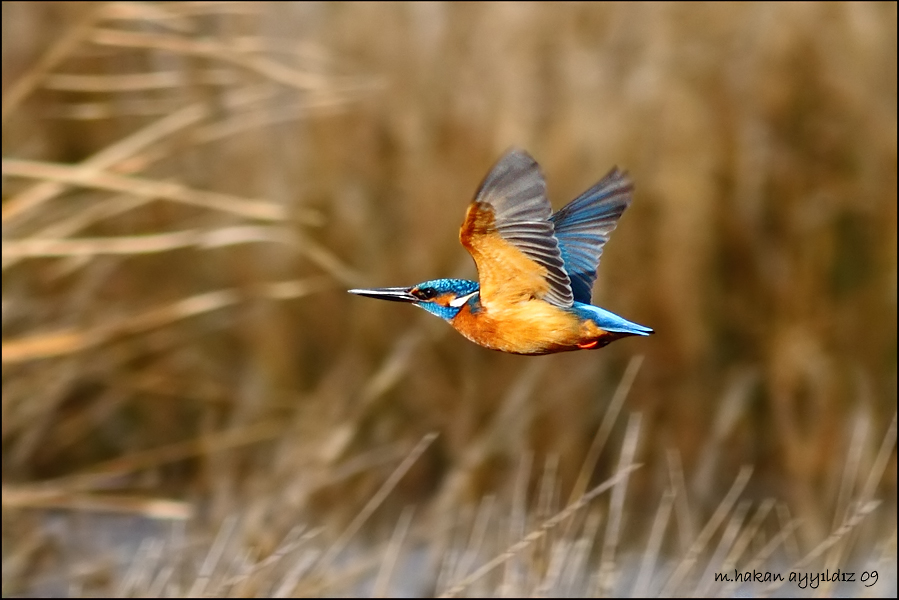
[[461, 300]]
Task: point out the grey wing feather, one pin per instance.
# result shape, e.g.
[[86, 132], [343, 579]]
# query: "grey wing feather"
[[516, 191]]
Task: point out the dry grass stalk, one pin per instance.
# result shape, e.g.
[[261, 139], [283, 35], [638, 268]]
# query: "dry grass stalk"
[[539, 533]]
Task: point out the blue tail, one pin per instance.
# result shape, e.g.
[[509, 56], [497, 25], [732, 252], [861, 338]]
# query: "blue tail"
[[609, 320]]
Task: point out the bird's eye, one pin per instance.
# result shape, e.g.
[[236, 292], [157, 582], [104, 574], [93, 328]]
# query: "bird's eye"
[[425, 293]]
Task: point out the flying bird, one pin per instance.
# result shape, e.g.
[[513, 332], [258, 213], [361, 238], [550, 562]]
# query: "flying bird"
[[536, 268]]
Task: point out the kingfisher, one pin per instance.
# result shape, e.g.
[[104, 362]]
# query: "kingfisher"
[[535, 268]]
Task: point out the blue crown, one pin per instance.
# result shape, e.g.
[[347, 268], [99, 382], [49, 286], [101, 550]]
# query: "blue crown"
[[460, 288]]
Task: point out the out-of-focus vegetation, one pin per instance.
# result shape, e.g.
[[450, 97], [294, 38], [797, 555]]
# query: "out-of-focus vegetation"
[[189, 188]]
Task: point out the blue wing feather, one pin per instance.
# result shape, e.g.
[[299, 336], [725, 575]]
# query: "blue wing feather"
[[583, 227]]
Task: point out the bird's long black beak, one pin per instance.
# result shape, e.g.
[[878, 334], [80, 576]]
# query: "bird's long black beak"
[[395, 294]]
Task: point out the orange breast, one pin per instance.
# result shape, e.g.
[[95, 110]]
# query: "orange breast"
[[529, 327]]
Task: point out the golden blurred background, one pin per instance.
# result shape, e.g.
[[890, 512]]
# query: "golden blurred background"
[[189, 189]]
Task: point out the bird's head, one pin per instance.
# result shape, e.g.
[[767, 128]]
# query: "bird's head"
[[441, 297]]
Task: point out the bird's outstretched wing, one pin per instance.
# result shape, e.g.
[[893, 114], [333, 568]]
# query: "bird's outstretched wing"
[[583, 227], [508, 232]]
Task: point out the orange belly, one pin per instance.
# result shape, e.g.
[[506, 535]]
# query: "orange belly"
[[530, 327]]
